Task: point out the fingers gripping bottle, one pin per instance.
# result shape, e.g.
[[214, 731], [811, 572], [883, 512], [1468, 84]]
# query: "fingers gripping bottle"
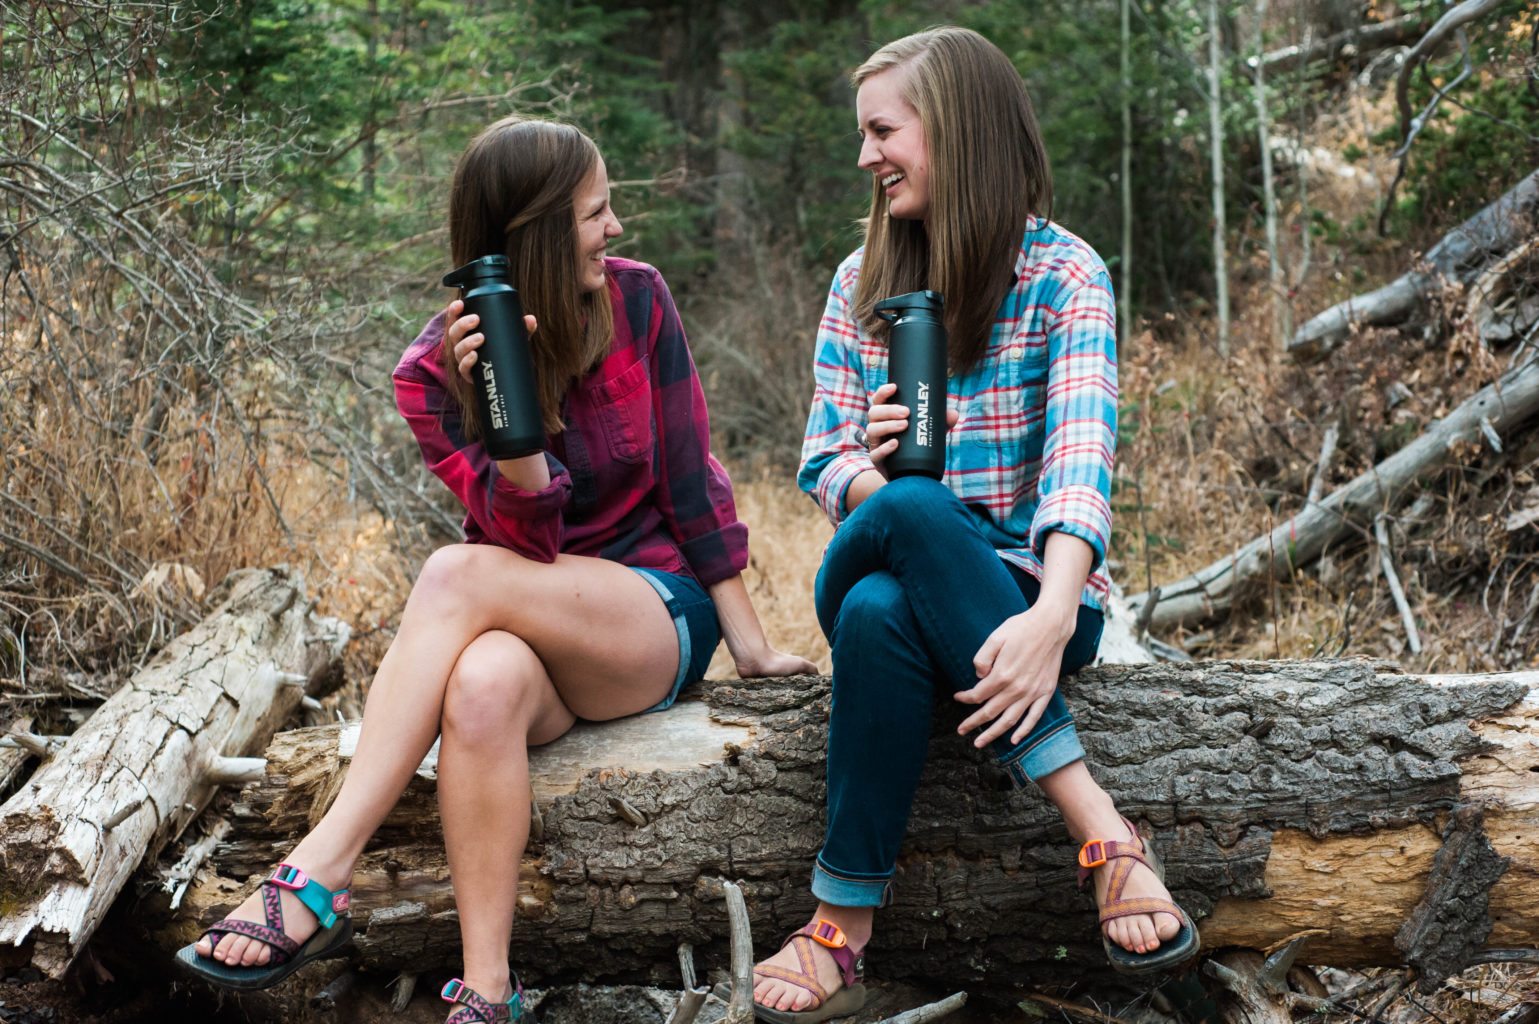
[[505, 385], [916, 362]]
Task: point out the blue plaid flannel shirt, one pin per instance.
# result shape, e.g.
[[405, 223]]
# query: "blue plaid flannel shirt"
[[1032, 451]]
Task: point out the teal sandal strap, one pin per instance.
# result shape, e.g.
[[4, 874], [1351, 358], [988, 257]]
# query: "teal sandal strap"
[[317, 899]]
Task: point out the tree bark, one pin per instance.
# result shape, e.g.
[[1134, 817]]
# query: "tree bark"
[[134, 775], [1211, 592], [1457, 259], [1283, 796]]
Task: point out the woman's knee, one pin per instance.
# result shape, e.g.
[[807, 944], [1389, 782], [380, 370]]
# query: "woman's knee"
[[453, 578], [910, 504], [874, 612], [496, 687]]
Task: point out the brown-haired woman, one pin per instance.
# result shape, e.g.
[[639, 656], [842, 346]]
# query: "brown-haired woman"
[[984, 585], [596, 579]]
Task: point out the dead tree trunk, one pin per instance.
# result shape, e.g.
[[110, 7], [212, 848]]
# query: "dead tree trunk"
[[1285, 797], [1209, 593], [1458, 258], [140, 769]]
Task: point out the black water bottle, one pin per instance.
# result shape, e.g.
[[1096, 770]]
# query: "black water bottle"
[[916, 362], [506, 391]]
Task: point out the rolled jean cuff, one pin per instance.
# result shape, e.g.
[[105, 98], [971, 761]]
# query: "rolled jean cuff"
[[1038, 756], [844, 891]]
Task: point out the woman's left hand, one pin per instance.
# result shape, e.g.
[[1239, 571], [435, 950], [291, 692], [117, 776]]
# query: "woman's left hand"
[[1017, 673], [770, 662]]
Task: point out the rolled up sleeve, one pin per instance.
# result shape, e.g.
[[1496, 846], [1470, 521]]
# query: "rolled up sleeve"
[[833, 452], [1074, 488]]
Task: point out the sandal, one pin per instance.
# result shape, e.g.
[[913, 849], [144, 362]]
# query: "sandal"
[[330, 909], [476, 1009], [852, 970], [1173, 951]]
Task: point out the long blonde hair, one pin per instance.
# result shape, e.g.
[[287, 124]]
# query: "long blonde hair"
[[512, 194], [988, 173]]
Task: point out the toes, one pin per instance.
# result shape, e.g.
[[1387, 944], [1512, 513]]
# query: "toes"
[[205, 947], [1148, 941], [1166, 926], [226, 944]]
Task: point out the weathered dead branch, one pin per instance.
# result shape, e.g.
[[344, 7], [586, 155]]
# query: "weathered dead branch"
[[148, 761], [1210, 592], [1353, 45], [1458, 258]]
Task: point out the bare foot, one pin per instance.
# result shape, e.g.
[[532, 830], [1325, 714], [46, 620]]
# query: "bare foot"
[[1137, 933], [778, 994], [299, 923]]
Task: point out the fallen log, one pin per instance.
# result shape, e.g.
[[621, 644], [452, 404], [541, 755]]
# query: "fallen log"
[[1284, 797], [1210, 592], [1457, 259], [1354, 45], [142, 766]]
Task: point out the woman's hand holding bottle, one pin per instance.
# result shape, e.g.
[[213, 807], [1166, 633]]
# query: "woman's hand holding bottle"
[[885, 421], [530, 472]]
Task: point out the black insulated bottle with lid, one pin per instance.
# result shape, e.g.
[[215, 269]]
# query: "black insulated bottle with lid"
[[916, 362], [507, 395]]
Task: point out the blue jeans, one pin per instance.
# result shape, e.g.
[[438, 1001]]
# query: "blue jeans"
[[909, 589]]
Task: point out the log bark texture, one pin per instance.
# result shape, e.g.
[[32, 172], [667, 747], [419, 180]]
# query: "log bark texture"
[[133, 776], [1283, 796], [1458, 258], [1210, 592]]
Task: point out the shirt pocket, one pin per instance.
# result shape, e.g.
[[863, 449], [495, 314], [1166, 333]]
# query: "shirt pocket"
[[625, 413], [998, 414]]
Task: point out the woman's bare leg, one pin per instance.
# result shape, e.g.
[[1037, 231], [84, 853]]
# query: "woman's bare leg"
[[500, 702], [602, 633]]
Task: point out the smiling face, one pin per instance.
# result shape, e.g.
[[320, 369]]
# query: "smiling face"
[[596, 225], [893, 146]]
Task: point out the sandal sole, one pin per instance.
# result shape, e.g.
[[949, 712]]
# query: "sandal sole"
[[323, 945], [841, 1004]]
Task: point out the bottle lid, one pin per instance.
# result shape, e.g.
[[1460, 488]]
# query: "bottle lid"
[[911, 304], [491, 266]]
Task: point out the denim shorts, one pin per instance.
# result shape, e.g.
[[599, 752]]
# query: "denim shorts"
[[694, 616]]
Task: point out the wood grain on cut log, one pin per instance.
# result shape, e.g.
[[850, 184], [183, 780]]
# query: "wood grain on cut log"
[[1458, 258], [1285, 796], [1210, 592], [133, 776]]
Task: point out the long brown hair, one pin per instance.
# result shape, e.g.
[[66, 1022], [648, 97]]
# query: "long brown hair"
[[988, 174], [512, 193]]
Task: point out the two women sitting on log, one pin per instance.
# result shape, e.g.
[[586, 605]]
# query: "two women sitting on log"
[[985, 585], [598, 571], [597, 579]]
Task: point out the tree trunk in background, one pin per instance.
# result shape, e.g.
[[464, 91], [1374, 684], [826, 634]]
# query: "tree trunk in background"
[[1125, 289], [1282, 320], [1216, 153], [1283, 796]]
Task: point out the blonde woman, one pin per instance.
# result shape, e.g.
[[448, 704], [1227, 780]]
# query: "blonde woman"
[[986, 586], [596, 578]]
